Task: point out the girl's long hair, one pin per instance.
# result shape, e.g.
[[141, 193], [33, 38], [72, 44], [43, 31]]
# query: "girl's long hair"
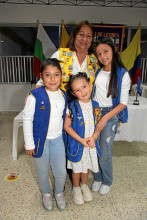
[[71, 42], [116, 62], [71, 97]]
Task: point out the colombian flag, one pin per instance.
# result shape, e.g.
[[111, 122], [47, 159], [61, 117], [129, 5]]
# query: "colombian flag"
[[131, 57], [44, 48], [64, 36]]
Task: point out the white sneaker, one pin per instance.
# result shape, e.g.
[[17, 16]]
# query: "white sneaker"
[[47, 201], [77, 195], [86, 193], [60, 200], [96, 186], [104, 189]]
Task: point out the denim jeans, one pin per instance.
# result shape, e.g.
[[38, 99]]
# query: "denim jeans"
[[54, 154], [105, 174]]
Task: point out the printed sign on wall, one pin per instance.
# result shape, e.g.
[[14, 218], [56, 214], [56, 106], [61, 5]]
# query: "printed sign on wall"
[[115, 32]]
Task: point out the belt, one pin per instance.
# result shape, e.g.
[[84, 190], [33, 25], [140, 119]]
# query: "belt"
[[106, 108]]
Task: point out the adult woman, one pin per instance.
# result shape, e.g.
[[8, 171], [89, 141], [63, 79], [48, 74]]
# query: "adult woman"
[[77, 57]]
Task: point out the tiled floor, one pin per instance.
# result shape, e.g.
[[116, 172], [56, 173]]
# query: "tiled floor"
[[21, 200]]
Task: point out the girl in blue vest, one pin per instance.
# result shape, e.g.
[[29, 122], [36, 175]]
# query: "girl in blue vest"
[[83, 150], [111, 89], [43, 115]]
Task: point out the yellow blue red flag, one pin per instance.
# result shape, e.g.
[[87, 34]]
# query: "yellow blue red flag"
[[64, 36], [139, 90], [131, 57]]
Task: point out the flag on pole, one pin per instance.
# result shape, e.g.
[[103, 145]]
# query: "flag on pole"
[[44, 48], [64, 36], [131, 57], [139, 90]]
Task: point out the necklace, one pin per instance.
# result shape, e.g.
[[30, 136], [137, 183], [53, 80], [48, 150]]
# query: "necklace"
[[85, 68]]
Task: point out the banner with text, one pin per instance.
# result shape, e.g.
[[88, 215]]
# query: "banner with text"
[[115, 32]]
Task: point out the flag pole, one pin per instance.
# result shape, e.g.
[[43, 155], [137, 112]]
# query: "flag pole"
[[136, 102], [38, 23]]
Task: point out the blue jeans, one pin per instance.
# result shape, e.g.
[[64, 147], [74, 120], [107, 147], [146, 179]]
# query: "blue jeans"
[[105, 174], [54, 153]]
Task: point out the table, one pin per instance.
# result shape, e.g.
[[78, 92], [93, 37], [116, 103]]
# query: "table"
[[136, 127]]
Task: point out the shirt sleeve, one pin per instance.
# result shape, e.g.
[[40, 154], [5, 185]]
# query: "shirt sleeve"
[[28, 116], [40, 82], [67, 111], [55, 55], [126, 83]]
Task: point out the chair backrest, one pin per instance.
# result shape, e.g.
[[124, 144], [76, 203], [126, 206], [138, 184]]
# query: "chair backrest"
[[134, 90]]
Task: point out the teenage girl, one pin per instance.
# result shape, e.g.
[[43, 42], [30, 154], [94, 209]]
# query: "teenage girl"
[[82, 151], [111, 90], [43, 128]]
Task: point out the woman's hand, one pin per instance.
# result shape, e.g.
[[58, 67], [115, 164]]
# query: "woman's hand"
[[30, 152]]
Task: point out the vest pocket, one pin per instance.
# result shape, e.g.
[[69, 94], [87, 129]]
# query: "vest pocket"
[[73, 151]]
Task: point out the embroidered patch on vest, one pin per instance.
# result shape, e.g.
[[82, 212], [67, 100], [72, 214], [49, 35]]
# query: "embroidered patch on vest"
[[43, 108], [63, 52], [92, 59], [69, 54], [97, 114], [70, 67], [81, 123]]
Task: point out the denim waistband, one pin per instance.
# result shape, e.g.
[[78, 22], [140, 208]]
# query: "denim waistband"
[[106, 108]]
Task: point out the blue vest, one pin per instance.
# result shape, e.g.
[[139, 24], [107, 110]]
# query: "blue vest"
[[41, 120], [74, 148], [123, 115]]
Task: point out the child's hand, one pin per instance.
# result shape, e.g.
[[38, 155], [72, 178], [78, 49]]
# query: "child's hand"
[[119, 123], [84, 142], [91, 142], [30, 152], [101, 124]]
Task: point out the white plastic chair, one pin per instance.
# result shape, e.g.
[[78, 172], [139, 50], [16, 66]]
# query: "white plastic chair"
[[18, 121]]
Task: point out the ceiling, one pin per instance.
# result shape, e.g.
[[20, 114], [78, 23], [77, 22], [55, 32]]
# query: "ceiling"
[[98, 3]]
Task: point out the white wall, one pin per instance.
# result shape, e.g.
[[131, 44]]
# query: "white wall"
[[12, 96], [11, 13]]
